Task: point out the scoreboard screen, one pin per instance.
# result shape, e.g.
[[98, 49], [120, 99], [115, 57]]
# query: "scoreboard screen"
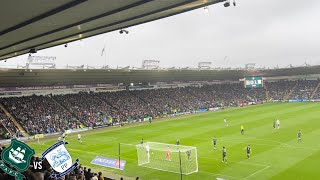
[[253, 82]]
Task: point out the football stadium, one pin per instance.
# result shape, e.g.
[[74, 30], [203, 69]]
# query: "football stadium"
[[155, 121]]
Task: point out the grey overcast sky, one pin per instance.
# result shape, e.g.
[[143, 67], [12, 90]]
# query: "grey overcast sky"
[[265, 32]]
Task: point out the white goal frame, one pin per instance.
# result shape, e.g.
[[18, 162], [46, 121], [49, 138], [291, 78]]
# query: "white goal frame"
[[180, 161]]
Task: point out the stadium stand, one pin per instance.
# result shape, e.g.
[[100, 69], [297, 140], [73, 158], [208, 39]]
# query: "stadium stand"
[[279, 90], [157, 99], [304, 89], [39, 114], [127, 105], [86, 107], [7, 128], [316, 93], [49, 114], [56, 113]]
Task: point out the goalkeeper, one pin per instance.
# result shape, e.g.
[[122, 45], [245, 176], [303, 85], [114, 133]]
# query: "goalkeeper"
[[168, 154]]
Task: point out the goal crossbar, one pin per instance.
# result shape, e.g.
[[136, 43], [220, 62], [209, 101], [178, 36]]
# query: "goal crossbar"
[[168, 157]]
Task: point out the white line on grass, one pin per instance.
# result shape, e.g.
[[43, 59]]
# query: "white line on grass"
[[98, 153], [257, 172], [253, 138], [127, 144], [285, 145], [222, 175], [77, 150], [216, 174], [240, 162]]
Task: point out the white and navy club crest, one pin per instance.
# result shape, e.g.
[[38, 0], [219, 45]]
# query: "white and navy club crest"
[[59, 159]]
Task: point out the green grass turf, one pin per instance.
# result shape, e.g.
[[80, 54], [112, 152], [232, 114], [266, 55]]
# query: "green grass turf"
[[276, 154]]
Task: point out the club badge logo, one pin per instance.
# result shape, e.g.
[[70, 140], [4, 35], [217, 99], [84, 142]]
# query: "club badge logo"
[[17, 155], [60, 160]]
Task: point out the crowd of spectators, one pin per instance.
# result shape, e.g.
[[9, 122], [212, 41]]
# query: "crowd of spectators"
[[303, 89], [86, 107], [232, 94], [39, 114], [127, 105], [7, 128], [47, 114], [279, 90], [299, 89], [317, 93]]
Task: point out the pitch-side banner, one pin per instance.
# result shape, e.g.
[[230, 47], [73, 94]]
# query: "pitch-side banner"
[[109, 162]]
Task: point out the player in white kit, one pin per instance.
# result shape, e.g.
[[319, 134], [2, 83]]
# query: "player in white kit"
[[278, 123], [225, 122], [79, 138]]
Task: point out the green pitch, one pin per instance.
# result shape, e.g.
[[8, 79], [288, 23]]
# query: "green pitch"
[[276, 153]]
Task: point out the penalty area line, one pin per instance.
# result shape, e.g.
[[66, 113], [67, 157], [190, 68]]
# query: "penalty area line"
[[127, 144], [97, 153], [239, 162], [221, 175], [257, 172]]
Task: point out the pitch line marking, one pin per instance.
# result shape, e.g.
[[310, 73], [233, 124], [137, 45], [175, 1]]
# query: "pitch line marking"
[[222, 175], [257, 172], [240, 162], [284, 145], [252, 138], [77, 150], [128, 144], [216, 174], [248, 138]]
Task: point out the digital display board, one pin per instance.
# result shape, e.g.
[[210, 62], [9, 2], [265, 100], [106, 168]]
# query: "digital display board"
[[253, 82]]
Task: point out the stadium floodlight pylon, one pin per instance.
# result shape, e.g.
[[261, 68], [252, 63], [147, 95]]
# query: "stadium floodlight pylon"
[[182, 159]]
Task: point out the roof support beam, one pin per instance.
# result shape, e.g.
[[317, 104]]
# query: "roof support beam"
[[56, 43], [43, 16], [105, 26], [78, 23]]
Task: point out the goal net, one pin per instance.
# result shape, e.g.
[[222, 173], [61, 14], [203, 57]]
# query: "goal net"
[[168, 157]]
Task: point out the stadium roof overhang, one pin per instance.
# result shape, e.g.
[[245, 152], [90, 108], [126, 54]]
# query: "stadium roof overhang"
[[38, 24], [53, 77]]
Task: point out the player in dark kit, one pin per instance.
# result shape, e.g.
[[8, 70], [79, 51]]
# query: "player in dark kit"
[[214, 140], [224, 155], [299, 135], [178, 142], [274, 124], [248, 149], [189, 154], [242, 130]]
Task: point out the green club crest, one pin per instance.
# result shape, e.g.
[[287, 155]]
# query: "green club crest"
[[18, 155]]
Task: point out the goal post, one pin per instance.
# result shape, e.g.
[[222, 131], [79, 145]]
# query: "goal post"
[[168, 157]]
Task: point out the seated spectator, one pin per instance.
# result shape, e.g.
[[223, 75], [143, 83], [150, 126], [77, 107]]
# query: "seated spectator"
[[95, 176], [100, 177]]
